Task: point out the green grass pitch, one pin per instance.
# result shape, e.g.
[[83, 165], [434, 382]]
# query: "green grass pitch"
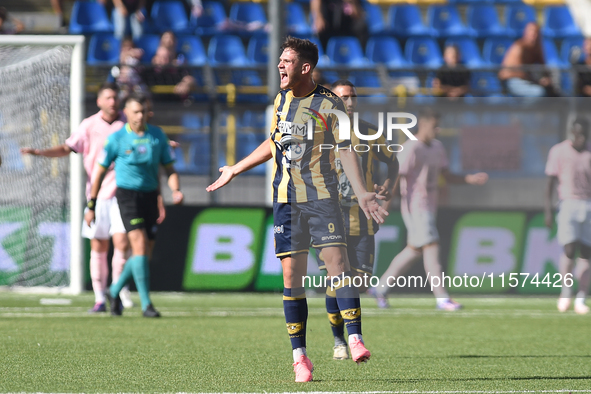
[[238, 343]]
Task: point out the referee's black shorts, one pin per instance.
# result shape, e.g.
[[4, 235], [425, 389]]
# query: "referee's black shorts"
[[139, 210]]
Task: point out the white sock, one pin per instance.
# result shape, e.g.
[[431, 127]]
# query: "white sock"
[[565, 266], [580, 299], [442, 300], [355, 336], [298, 352]]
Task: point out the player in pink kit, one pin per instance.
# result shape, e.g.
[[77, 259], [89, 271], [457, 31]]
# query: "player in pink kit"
[[569, 165], [421, 163], [89, 140]]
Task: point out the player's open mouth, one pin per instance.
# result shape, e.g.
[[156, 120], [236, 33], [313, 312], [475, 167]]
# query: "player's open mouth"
[[283, 76]]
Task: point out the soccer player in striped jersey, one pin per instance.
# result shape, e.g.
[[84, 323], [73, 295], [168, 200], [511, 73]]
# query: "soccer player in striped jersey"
[[360, 231], [305, 196], [421, 163], [569, 167]]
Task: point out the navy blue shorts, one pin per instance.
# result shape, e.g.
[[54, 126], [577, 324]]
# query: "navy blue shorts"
[[360, 250], [296, 224]]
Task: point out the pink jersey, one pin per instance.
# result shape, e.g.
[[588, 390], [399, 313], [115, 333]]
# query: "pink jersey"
[[89, 140], [420, 166], [573, 170]]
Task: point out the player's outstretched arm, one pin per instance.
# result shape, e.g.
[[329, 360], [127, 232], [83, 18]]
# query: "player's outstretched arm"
[[98, 176], [548, 214], [56, 151], [478, 179], [387, 189], [368, 201], [260, 155], [175, 184]]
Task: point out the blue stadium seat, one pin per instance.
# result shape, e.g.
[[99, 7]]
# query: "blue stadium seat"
[[254, 119], [551, 53], [248, 78], [193, 49], [226, 49], [423, 52], [180, 163], [517, 16], [469, 52], [191, 121], [170, 15], [199, 153], [368, 79], [245, 144], [296, 20], [258, 51], [374, 18], [322, 58], [559, 23], [483, 22], [89, 18], [385, 50], [212, 17], [445, 21], [405, 21], [485, 84], [571, 50], [149, 43], [329, 77], [494, 50], [246, 13], [103, 48], [345, 51]]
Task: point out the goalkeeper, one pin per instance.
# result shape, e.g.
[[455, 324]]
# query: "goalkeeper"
[[137, 150]]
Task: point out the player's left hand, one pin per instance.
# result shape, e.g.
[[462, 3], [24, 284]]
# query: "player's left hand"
[[372, 209], [177, 197], [224, 179], [89, 217], [382, 191], [479, 178]]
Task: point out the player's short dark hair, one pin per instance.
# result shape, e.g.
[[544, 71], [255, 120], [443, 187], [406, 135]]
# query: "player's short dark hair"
[[106, 86], [138, 98], [584, 123], [306, 50], [428, 113], [342, 82]]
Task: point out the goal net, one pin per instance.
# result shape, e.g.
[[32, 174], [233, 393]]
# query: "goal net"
[[41, 82]]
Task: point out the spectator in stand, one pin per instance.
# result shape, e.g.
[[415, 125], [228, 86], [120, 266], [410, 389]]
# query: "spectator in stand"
[[526, 51], [169, 41], [128, 15], [584, 71], [129, 54], [9, 24], [339, 18], [452, 79], [165, 72], [126, 75]]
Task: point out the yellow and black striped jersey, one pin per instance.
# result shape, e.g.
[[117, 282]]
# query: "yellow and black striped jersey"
[[355, 220], [302, 171]]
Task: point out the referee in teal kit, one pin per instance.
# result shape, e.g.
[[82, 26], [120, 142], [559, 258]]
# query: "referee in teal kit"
[[137, 150]]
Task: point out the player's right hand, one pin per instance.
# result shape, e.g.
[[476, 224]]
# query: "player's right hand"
[[223, 180], [370, 206], [549, 220], [29, 151], [89, 217]]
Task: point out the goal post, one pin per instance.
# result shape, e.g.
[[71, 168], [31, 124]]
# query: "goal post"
[[33, 71]]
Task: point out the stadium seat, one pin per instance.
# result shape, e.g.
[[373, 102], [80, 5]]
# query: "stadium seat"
[[551, 53], [258, 51], [89, 18], [485, 84], [180, 163], [423, 52], [248, 14], [374, 18], [226, 49], [368, 79], [517, 16], [559, 23], [322, 58], [199, 153], [494, 50], [483, 22], [103, 48], [385, 50], [571, 50], [248, 78], [193, 49], [211, 19], [296, 20], [345, 51], [405, 21], [170, 15], [245, 144], [445, 21], [149, 43], [469, 52], [254, 119], [329, 77]]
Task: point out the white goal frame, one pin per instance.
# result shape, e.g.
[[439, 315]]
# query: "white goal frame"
[[77, 175]]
